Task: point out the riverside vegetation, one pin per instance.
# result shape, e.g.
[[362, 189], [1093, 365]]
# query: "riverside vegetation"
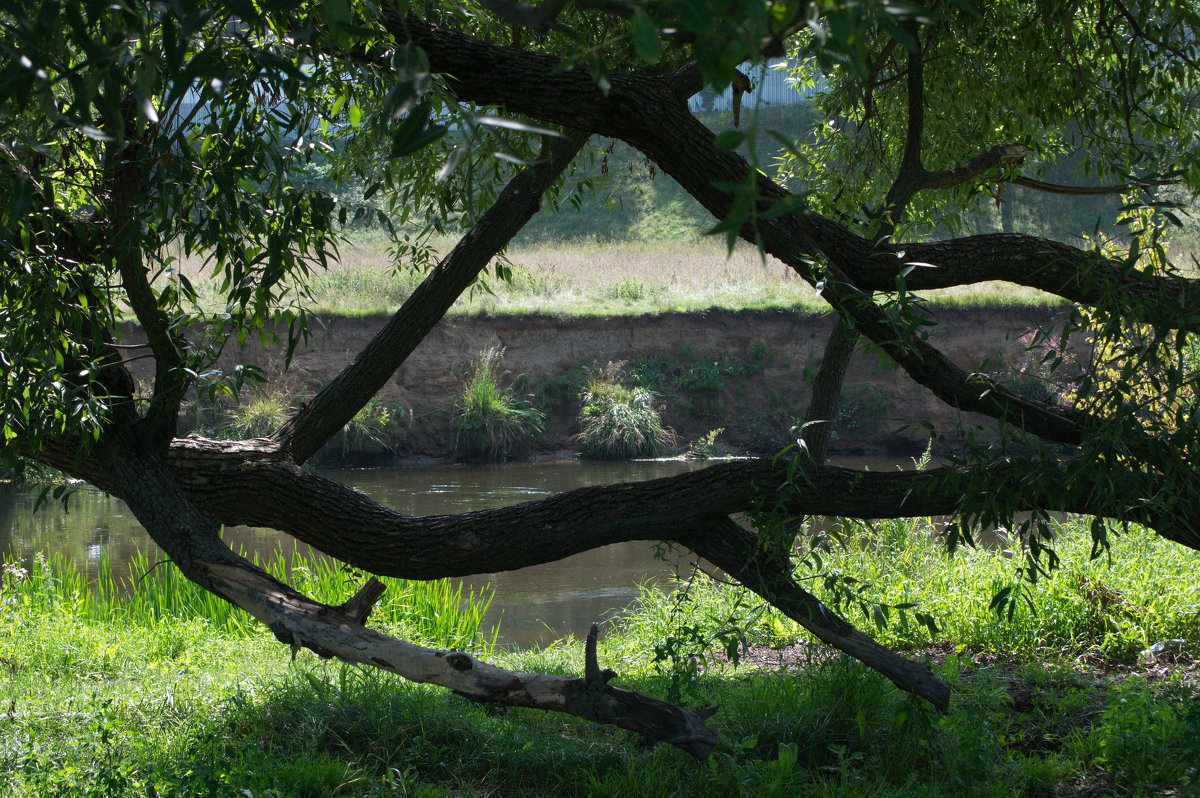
[[146, 685]]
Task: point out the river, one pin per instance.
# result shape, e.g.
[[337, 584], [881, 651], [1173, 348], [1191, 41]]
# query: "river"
[[531, 605]]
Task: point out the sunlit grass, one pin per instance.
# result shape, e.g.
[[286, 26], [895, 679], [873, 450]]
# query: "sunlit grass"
[[433, 613], [489, 422], [593, 278], [619, 421], [1105, 608]]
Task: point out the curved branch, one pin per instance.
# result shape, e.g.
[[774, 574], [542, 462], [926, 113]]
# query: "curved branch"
[[1087, 191], [911, 175], [126, 187], [643, 111], [193, 543], [992, 157]]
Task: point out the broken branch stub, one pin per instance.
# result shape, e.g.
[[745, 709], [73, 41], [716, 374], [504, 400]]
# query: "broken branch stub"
[[335, 632]]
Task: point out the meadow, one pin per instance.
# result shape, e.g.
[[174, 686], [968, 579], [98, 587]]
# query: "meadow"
[[146, 688], [590, 277]]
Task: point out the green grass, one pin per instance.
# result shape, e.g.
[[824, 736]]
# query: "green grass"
[[1104, 609], [619, 422], [256, 416], [434, 613], [598, 278], [489, 422], [98, 698]]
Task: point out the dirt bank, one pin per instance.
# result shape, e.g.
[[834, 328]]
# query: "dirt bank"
[[748, 372]]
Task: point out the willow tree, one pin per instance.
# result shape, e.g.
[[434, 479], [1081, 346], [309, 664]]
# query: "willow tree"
[[132, 130]]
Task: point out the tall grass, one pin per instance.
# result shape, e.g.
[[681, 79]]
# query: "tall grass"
[[489, 422], [257, 416], [119, 709], [618, 422], [434, 613], [379, 427]]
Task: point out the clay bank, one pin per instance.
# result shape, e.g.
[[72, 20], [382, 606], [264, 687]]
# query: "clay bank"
[[746, 372]]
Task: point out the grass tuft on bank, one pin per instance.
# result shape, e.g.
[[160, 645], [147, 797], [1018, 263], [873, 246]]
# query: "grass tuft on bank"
[[102, 699]]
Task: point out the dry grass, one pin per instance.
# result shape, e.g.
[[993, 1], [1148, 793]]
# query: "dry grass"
[[600, 278]]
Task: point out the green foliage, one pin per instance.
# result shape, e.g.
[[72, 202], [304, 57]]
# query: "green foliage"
[[695, 383], [433, 613], [124, 705], [629, 291], [259, 416], [1048, 96], [618, 422], [377, 427], [489, 422], [706, 445]]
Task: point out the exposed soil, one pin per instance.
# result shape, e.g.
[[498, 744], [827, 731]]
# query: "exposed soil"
[[749, 371]]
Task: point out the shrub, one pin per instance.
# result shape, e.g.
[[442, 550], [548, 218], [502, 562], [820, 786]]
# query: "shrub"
[[618, 422], [256, 417], [489, 423], [375, 428]]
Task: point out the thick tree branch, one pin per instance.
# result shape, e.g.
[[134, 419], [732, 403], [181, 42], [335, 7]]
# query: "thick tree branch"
[[336, 404], [126, 183], [644, 112], [740, 554], [1087, 191], [193, 543], [348, 525]]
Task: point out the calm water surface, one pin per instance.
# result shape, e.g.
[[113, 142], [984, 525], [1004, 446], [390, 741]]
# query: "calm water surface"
[[532, 605]]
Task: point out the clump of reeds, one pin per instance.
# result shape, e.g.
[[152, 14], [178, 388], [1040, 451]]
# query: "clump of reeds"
[[433, 613], [619, 422], [489, 422]]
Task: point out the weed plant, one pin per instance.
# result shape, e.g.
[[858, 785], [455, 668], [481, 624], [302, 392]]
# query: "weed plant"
[[618, 422], [379, 427], [489, 422]]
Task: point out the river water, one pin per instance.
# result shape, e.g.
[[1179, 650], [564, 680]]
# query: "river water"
[[532, 605]]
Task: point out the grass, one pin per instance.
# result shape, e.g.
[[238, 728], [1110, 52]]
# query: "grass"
[[1103, 610], [489, 422], [619, 422], [600, 278], [100, 698], [258, 415], [433, 613]]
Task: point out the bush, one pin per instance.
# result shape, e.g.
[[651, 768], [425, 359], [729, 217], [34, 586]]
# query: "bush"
[[375, 429], [489, 423], [618, 422], [257, 417]]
